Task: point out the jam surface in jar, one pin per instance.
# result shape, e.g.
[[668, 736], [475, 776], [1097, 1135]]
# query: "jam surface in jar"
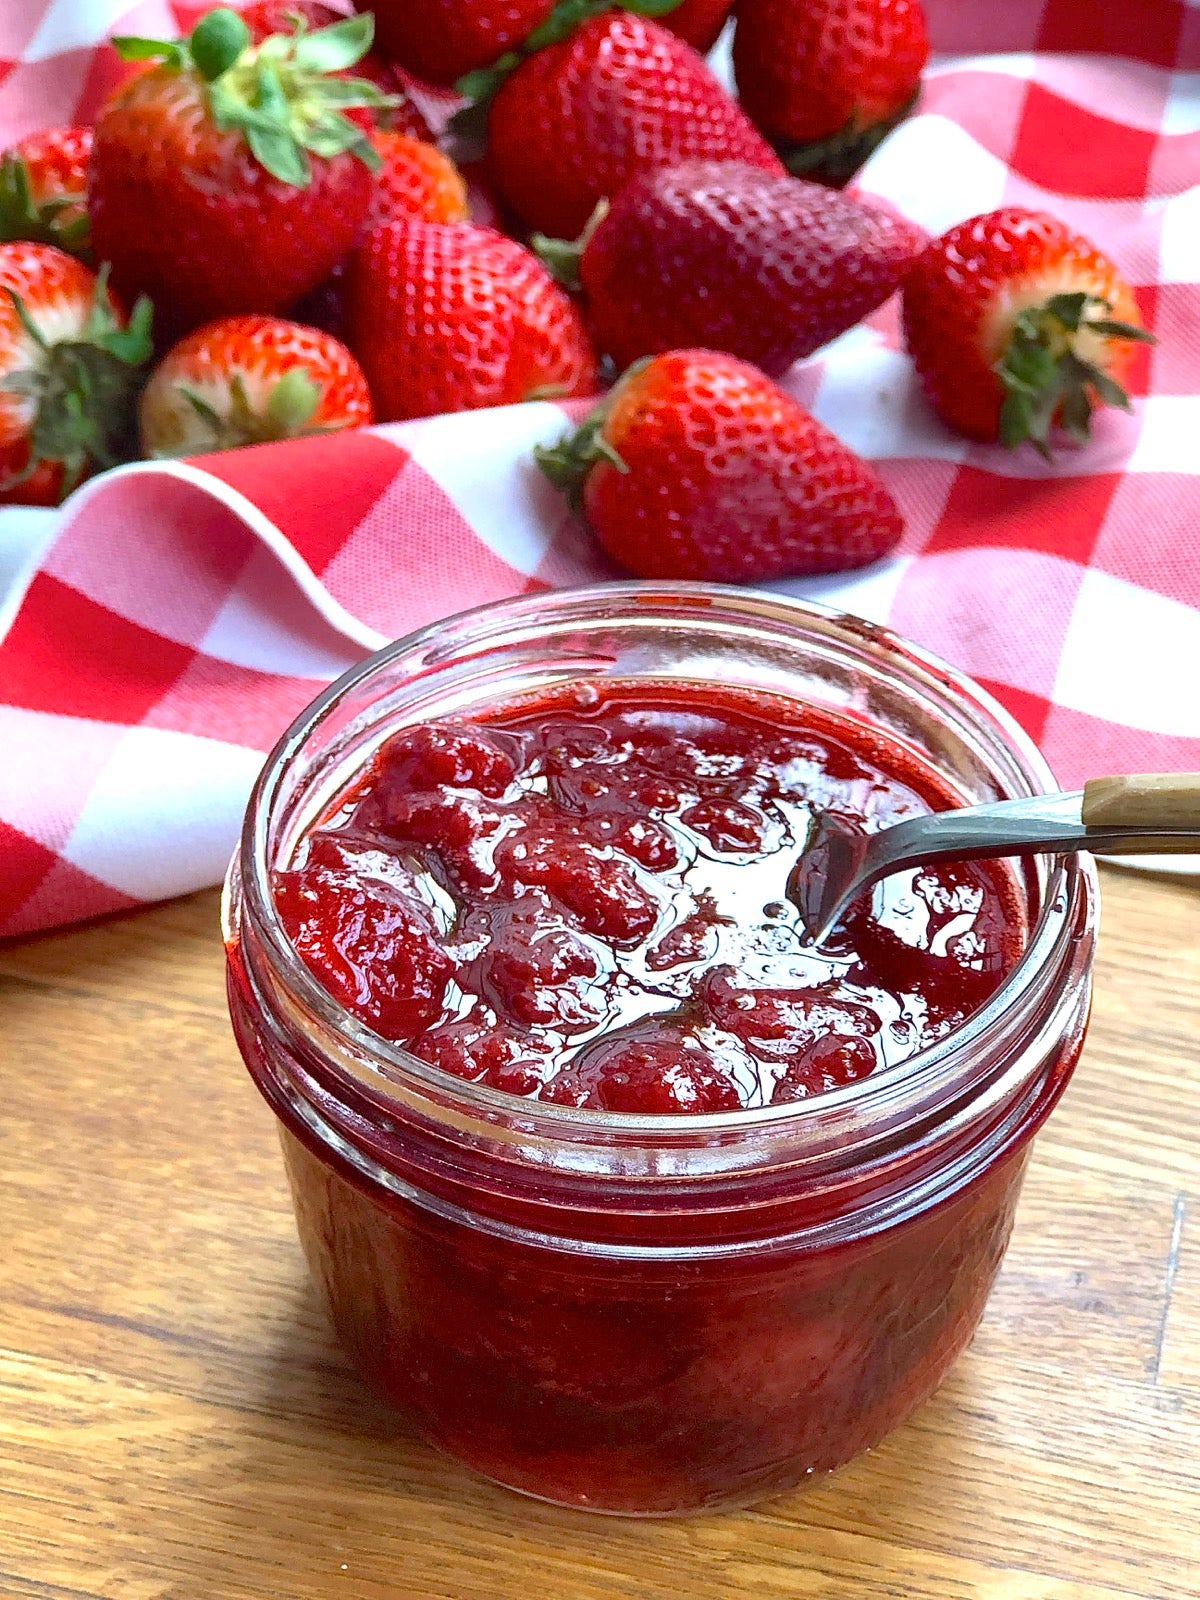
[[581, 897]]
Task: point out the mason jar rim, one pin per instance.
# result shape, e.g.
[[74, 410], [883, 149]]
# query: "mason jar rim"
[[892, 1085]]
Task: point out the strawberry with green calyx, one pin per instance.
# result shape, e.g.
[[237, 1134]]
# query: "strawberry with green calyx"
[[231, 175], [264, 17], [698, 466], [251, 380], [620, 95], [729, 257], [70, 369], [1015, 324], [43, 190], [827, 80]]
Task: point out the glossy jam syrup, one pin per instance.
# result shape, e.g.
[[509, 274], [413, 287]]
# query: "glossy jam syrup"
[[582, 898]]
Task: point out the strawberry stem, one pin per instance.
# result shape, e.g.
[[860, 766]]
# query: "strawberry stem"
[[568, 463], [1045, 379], [562, 256]]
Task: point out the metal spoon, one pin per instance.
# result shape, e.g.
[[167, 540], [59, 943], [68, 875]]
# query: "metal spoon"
[[1150, 814]]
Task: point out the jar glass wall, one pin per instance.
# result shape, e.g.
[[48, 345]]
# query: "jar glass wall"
[[633, 1313]]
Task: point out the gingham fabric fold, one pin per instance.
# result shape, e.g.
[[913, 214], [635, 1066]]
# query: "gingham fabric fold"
[[179, 615]]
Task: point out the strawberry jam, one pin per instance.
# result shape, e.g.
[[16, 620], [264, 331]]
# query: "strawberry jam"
[[584, 900], [624, 1195]]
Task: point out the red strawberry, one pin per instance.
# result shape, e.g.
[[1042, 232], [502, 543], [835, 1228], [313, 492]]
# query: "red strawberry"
[[450, 317], [730, 257], [619, 96], [265, 17], [69, 370], [440, 40], [43, 189], [698, 22], [415, 180], [1015, 323], [246, 380], [828, 78], [213, 203], [697, 466]]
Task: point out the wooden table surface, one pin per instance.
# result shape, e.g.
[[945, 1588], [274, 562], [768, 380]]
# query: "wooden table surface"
[[176, 1421]]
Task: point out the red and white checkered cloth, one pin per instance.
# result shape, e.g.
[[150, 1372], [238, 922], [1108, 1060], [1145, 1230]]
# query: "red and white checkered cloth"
[[179, 615]]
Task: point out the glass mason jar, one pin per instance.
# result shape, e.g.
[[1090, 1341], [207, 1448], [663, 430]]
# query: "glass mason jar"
[[654, 1314]]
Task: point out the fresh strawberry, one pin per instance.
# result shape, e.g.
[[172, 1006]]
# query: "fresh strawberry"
[[698, 466], [450, 317], [730, 257], [227, 177], [1016, 323], [265, 17], [43, 189], [827, 79], [698, 22], [70, 365], [247, 380], [620, 95], [415, 180], [440, 40]]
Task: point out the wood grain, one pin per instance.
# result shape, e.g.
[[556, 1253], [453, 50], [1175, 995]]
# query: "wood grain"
[[176, 1421]]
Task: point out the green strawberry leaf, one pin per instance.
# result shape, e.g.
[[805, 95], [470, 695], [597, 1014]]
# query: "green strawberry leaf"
[[1067, 309], [216, 43], [26, 321], [269, 99], [1121, 330], [331, 134], [277, 150], [293, 402], [171, 52], [336, 47]]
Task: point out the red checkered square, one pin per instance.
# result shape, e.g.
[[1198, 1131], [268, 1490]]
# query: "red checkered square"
[[1059, 516], [1057, 144], [66, 654], [26, 864]]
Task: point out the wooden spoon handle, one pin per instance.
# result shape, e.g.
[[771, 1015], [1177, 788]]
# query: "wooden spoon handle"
[[1143, 800]]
